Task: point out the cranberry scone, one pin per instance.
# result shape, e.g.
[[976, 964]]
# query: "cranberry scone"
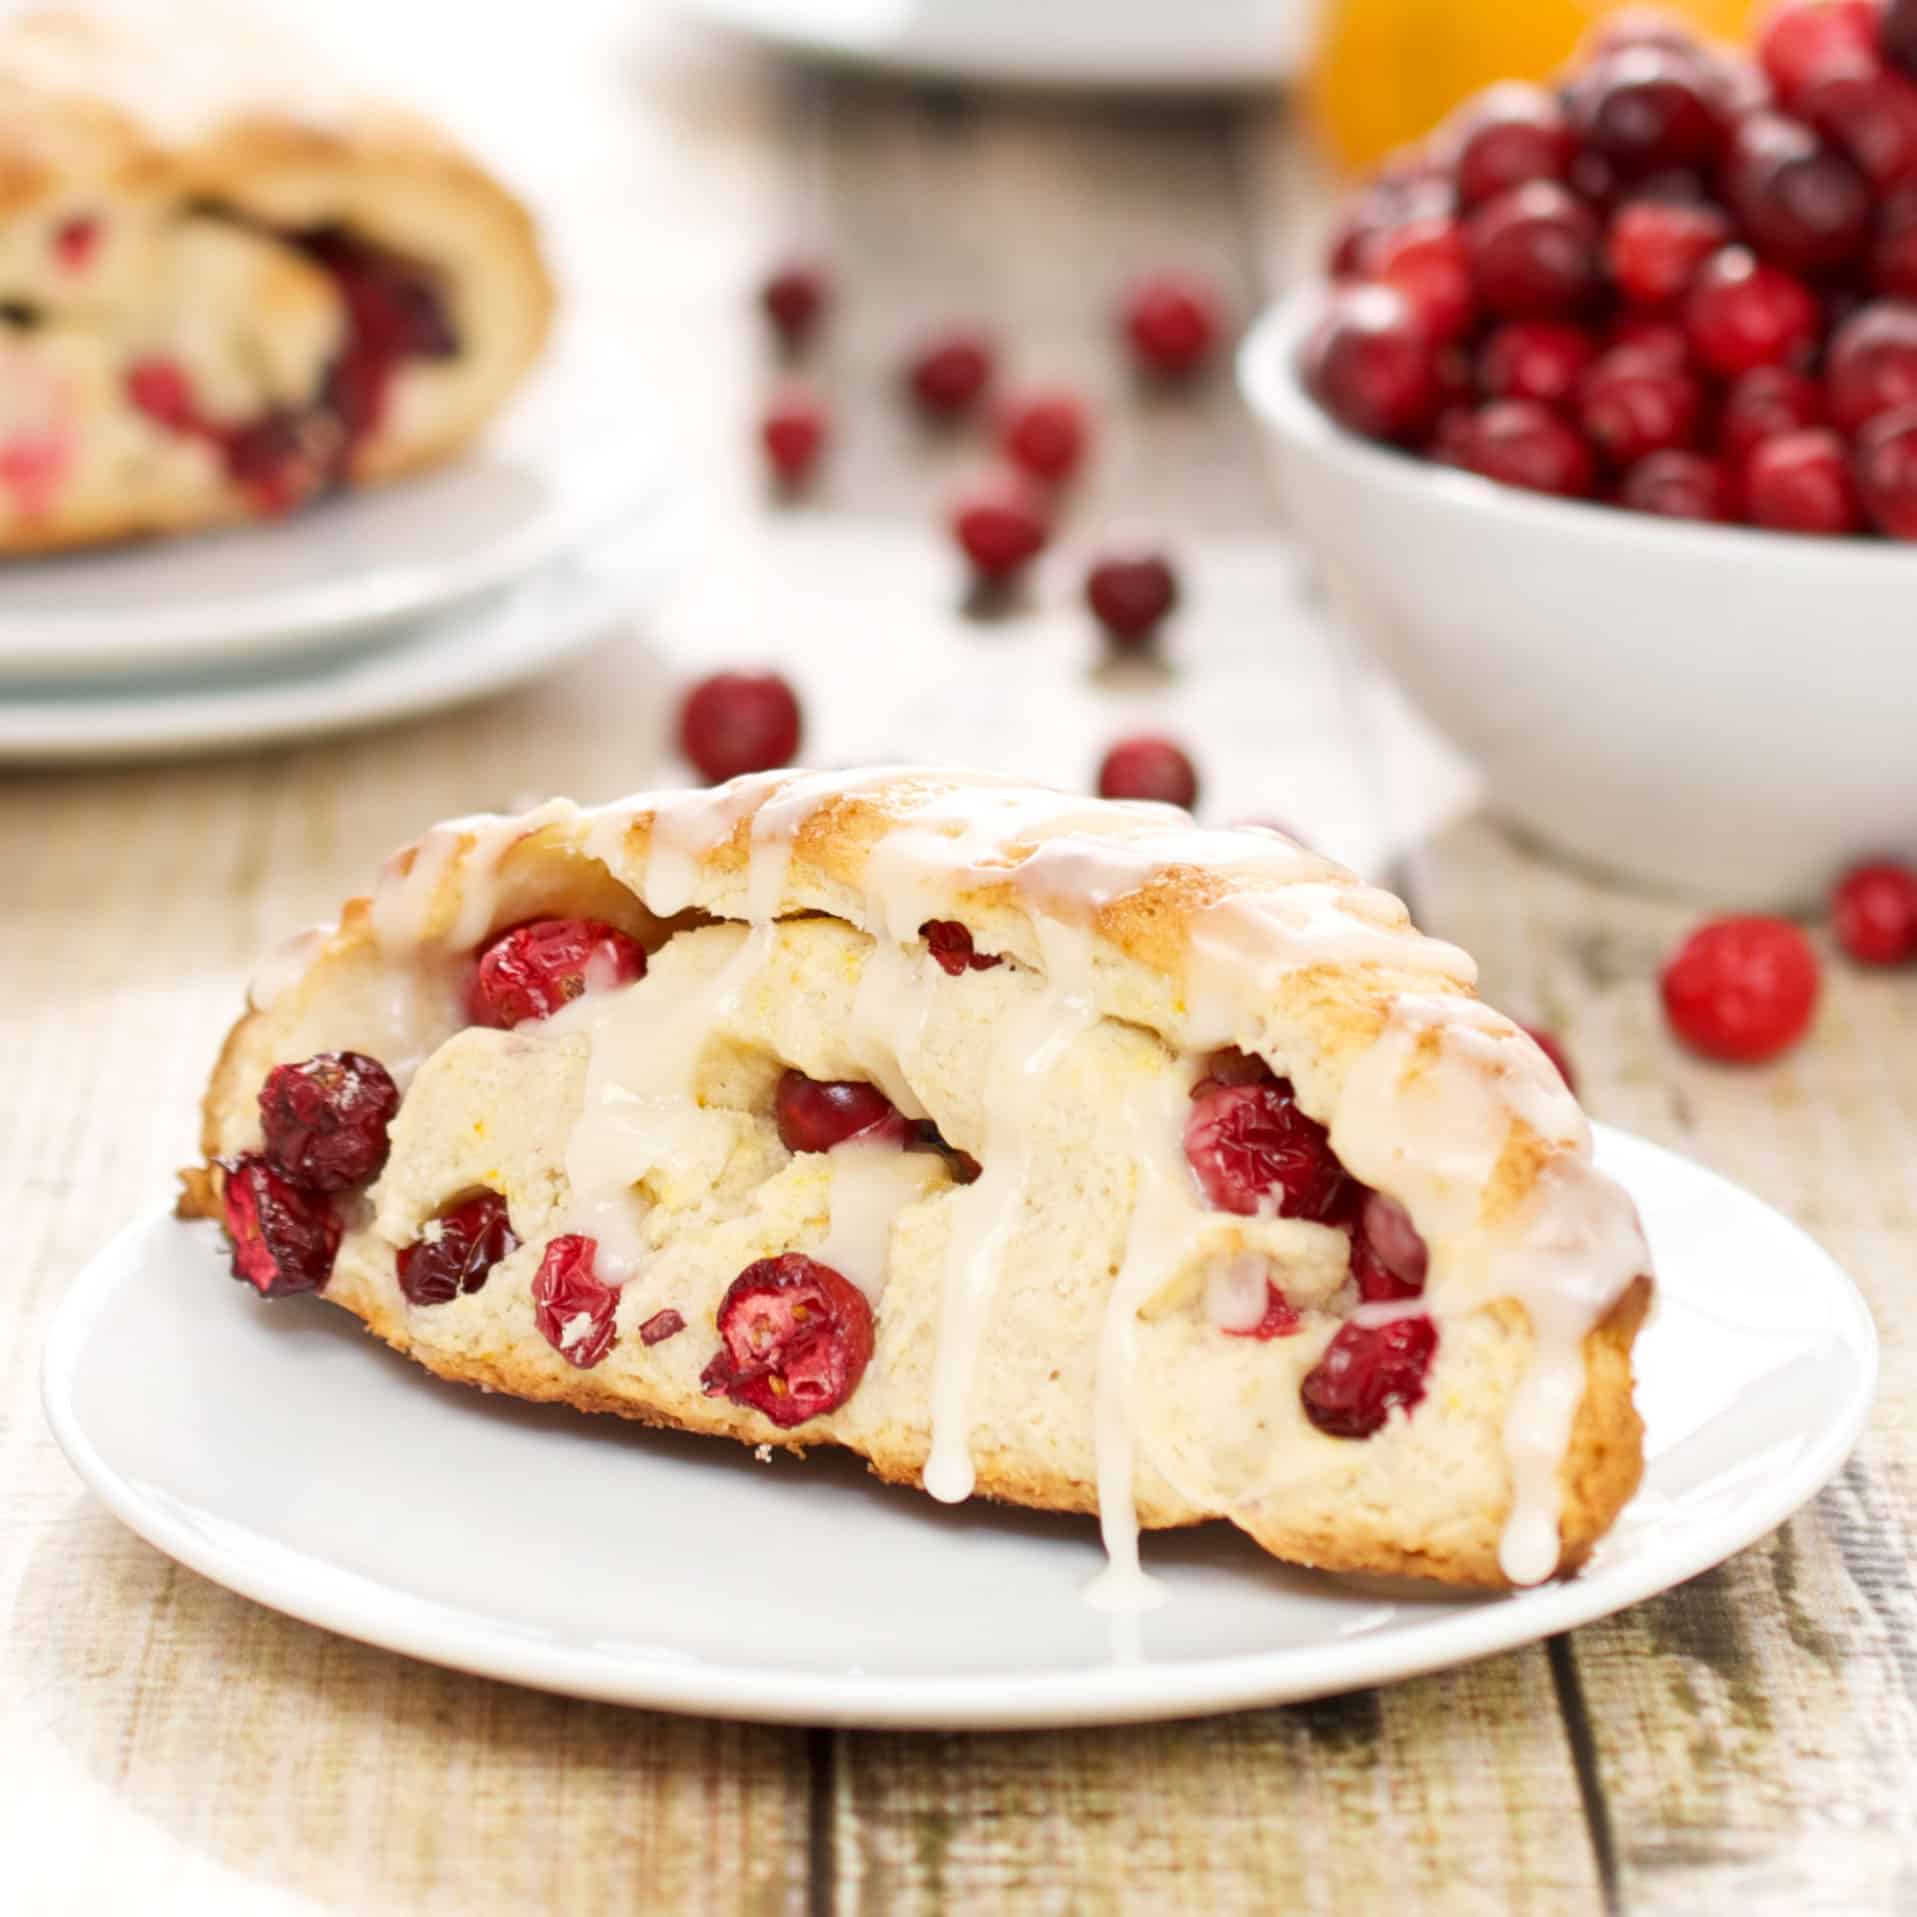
[[1045, 1147], [227, 284]]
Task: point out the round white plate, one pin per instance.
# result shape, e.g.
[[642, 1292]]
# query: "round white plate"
[[1149, 45], [273, 1448], [577, 452]]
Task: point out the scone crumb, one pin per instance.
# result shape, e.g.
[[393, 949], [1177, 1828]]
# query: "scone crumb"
[[763, 1452]]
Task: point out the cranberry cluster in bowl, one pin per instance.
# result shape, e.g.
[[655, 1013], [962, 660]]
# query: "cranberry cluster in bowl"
[[1683, 281]]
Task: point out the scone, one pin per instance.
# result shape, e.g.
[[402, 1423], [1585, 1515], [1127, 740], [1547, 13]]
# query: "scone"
[[1047, 1148], [226, 284]]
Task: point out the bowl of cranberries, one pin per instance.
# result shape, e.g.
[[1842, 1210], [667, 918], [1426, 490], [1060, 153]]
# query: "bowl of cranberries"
[[1603, 421]]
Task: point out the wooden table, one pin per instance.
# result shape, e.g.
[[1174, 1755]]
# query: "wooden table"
[[1746, 1742]]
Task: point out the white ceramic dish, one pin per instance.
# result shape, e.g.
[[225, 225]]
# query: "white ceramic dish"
[[1714, 709], [273, 1449]]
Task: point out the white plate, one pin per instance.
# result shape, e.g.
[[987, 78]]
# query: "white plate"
[[577, 452], [1151, 45], [273, 1449]]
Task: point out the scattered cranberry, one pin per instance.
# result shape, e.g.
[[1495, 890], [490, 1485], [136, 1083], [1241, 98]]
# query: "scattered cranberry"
[[1547, 1043], [541, 967], [459, 1251], [794, 296], [1871, 364], [1680, 485], [1632, 405], [1514, 133], [661, 1326], [1521, 443], [796, 1340], [815, 1114], [1533, 251], [1280, 1318], [1741, 988], [794, 432], [1389, 1257], [1171, 320], [1000, 526], [1802, 41], [1874, 913], [1764, 402], [572, 1307], [1801, 204], [1252, 1150], [1148, 767], [1044, 435], [1371, 365], [1654, 247], [1743, 312], [1645, 109], [1886, 469], [1366, 1373], [737, 722], [949, 373], [325, 1119], [1130, 594], [1871, 117], [1534, 359], [284, 1239], [1426, 262], [950, 943], [1800, 482]]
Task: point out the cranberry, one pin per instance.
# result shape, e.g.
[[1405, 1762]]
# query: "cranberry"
[[325, 1119], [1897, 34], [75, 241], [796, 1340], [284, 1239], [1872, 118], [1366, 1373], [815, 1114], [1371, 365], [573, 1308], [794, 432], [1893, 254], [1250, 1144], [949, 373], [1454, 439], [1871, 363], [1000, 526], [1534, 359], [1741, 988], [1874, 913], [1171, 320], [458, 1252], [1044, 434], [1382, 206], [1425, 261], [950, 943], [1676, 484], [538, 968], [1654, 247], [737, 722], [661, 1326], [1389, 1257], [1512, 133], [1647, 108], [275, 460], [1650, 334], [1280, 1318], [1764, 402], [1800, 482], [1130, 594], [1533, 251], [1230, 1066], [1743, 312], [794, 296], [161, 389], [1631, 406], [1803, 40], [1886, 471], [1520, 443], [1547, 1043], [1800, 203], [1148, 767]]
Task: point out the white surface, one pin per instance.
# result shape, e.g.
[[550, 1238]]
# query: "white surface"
[[575, 453], [273, 1449], [1149, 45], [1716, 709]]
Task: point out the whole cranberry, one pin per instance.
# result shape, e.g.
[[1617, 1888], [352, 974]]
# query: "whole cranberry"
[[1000, 525], [1743, 312], [1382, 206], [796, 1337], [1741, 988], [1509, 134], [1521, 443], [1870, 364], [1801, 204], [1130, 595], [1893, 253], [283, 1237], [1680, 485], [814, 1114], [1366, 1373], [1553, 1048], [793, 433], [1897, 34], [1533, 251], [458, 1251], [1425, 261], [1764, 402], [325, 1119], [1874, 913], [1370, 364], [1044, 434], [794, 296], [539, 968], [1253, 1151], [1650, 334], [1172, 322], [573, 1306], [1148, 767], [949, 372], [1645, 109], [1454, 439], [1801, 41], [1886, 471], [1800, 482], [1654, 247], [1632, 405], [1871, 116], [737, 722], [1534, 359]]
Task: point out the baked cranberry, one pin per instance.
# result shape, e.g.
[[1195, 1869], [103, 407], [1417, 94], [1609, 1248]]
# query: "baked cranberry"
[[1654, 247], [1632, 405], [1653, 335], [796, 1340], [1512, 133], [794, 432], [737, 722], [1520, 443], [1533, 251], [661, 1326], [572, 1306], [1675, 484], [1897, 34], [279, 461], [1801, 41], [1280, 1318], [1871, 117], [161, 389], [1801, 204], [794, 296], [1171, 320], [1426, 262], [1231, 1066], [1366, 1373], [75, 241], [1534, 359], [1645, 109], [815, 1114], [1800, 482], [1743, 312], [1044, 434], [1741, 988], [1454, 439], [1886, 471], [1371, 365], [1874, 913], [539, 968], [458, 1250], [1389, 1257], [1548, 1044], [1130, 594], [1252, 1150], [950, 943], [325, 1119], [1870, 364], [948, 373], [284, 1239], [1148, 767], [1000, 526], [1893, 253], [1764, 402]]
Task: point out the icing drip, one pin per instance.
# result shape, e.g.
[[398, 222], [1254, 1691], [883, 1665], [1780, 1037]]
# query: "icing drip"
[[871, 1185]]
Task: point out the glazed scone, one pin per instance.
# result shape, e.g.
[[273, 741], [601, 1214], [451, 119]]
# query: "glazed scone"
[[1049, 1148], [227, 283]]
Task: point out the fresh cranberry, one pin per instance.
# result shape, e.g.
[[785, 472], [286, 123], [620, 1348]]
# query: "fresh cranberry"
[[815, 1114], [1044, 434], [1870, 365], [1655, 246], [1800, 482], [1130, 594], [737, 722], [1389, 1257], [1871, 117], [1512, 133], [1743, 312], [1741, 988], [1426, 262], [1897, 34], [1148, 767], [325, 1119], [1520, 443], [796, 1340], [1801, 204], [1454, 439], [1886, 471], [1533, 251], [661, 1326], [1548, 1044], [1764, 402], [1631, 406], [1366, 1373], [161, 389], [794, 296], [1893, 253], [572, 1306], [1000, 526], [1171, 320], [458, 1252], [1249, 1145], [1803, 40], [1675, 484], [1370, 364], [1280, 1318], [1382, 206], [1645, 109], [950, 943], [793, 433], [1874, 913], [539, 968], [1653, 335], [948, 373], [1534, 359], [284, 1238]]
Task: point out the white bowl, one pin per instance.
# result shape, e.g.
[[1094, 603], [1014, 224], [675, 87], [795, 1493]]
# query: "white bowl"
[[1721, 711]]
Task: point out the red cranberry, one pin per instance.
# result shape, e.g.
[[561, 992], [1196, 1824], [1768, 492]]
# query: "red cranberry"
[[1871, 363], [1741, 988], [1764, 402], [1804, 40], [1647, 108], [1000, 526], [541, 967], [1874, 913], [1454, 439], [1044, 434], [1534, 359], [1148, 767], [1651, 335], [1800, 203], [1654, 247], [1380, 207], [1533, 251], [275, 460], [1893, 253], [459, 1251], [1886, 471], [1897, 34], [796, 1340], [1871, 117], [1800, 482], [815, 1114], [1631, 406], [1280, 1318], [1366, 1373], [661, 1326], [161, 389], [75, 241], [1680, 485], [1548, 1044], [949, 373], [1130, 594], [1389, 1257], [1371, 365], [1426, 262], [737, 722], [794, 296], [572, 1306], [325, 1119], [1171, 320], [1520, 443], [284, 1239], [1512, 133], [1231, 1066], [793, 432], [1249, 1145], [1743, 312], [950, 943]]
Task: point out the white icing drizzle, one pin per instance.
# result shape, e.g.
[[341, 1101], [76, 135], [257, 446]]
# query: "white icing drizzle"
[[1236, 1291], [402, 904], [871, 1184]]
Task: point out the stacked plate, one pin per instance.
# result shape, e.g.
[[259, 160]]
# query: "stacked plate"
[[369, 608]]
